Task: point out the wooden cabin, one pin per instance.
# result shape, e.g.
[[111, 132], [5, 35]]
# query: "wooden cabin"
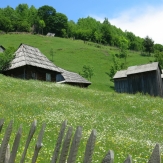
[[30, 63], [2, 49], [143, 78], [71, 78]]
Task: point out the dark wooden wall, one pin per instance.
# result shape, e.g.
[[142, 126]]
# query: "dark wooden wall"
[[149, 82], [121, 85], [25, 72], [146, 82]]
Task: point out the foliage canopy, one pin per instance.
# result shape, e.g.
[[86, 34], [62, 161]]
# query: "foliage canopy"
[[6, 57]]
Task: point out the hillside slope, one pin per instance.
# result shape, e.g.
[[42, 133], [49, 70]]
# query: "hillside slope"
[[72, 55]]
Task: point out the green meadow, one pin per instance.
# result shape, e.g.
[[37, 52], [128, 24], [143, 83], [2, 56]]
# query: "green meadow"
[[126, 124]]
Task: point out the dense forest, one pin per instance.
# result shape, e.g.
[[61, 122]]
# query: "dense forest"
[[46, 19]]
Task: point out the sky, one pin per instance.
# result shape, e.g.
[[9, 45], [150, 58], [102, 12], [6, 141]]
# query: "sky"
[[142, 17]]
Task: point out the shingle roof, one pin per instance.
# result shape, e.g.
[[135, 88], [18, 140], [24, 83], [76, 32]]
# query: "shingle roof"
[[136, 69], [72, 77], [142, 68], [28, 55], [120, 74]]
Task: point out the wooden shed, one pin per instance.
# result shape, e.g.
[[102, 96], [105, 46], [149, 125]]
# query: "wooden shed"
[[144, 78], [2, 49], [120, 81], [30, 63], [72, 78]]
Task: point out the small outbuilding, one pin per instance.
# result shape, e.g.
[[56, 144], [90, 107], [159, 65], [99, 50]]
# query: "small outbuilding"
[[30, 63], [72, 78], [2, 49], [50, 34], [143, 78]]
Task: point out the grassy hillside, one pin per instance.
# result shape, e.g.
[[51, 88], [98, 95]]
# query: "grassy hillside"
[[74, 54], [126, 124]]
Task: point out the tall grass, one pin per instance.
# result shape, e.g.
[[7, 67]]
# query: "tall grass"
[[126, 124]]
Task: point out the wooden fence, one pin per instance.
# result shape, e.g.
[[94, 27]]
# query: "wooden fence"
[[65, 150]]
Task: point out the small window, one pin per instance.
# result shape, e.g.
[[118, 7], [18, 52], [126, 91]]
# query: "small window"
[[59, 78], [34, 75], [48, 77]]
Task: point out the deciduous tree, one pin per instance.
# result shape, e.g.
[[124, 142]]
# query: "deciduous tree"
[[47, 13], [87, 72], [41, 25], [6, 57], [148, 45]]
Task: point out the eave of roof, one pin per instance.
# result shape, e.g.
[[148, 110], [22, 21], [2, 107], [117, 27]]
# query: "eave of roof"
[[142, 68], [120, 74], [137, 69]]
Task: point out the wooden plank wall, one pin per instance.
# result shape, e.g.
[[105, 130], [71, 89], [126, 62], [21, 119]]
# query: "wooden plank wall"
[[146, 83]]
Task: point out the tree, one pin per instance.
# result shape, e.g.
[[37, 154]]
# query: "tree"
[[159, 57], [60, 24], [123, 45], [10, 14], [23, 11], [41, 25], [71, 28], [158, 47], [33, 18], [148, 45], [86, 28], [6, 57], [5, 24], [115, 66], [52, 53], [107, 34], [47, 13], [87, 72]]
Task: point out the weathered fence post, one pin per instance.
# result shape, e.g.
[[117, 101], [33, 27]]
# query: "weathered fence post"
[[30, 135], [66, 145], [38, 144], [7, 155], [75, 145], [1, 124], [5, 142], [109, 158], [59, 142], [128, 159], [15, 146], [156, 155], [90, 147]]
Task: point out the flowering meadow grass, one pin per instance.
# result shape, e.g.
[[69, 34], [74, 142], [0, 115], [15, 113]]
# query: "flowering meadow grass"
[[126, 124]]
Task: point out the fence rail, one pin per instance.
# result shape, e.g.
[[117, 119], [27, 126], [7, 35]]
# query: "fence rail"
[[66, 147]]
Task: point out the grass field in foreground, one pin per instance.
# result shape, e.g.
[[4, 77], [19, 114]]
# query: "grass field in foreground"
[[72, 55], [126, 124]]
